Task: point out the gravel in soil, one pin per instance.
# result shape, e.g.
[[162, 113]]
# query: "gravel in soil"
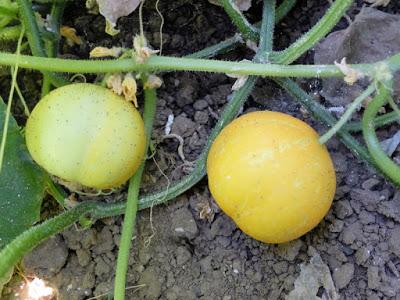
[[188, 249]]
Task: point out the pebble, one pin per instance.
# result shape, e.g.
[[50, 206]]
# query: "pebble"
[[183, 224], [343, 275]]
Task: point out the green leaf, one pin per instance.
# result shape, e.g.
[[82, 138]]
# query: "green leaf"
[[22, 184]]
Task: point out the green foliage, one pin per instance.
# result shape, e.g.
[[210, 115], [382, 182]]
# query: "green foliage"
[[22, 185]]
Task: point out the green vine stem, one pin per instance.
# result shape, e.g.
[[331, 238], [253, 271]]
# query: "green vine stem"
[[283, 9], [380, 121], [347, 115], [51, 45], [319, 30], [267, 31], [132, 200], [249, 31], [14, 73], [394, 106], [382, 161], [230, 43], [35, 42], [220, 48], [165, 63]]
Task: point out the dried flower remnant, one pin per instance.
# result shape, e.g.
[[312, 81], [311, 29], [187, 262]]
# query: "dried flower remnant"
[[153, 82], [104, 52], [70, 34], [129, 89], [350, 75], [142, 50], [114, 82]]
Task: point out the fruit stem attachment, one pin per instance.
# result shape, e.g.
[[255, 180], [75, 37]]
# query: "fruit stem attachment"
[[128, 227]]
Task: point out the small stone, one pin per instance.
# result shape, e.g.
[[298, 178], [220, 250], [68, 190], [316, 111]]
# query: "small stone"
[[83, 257], [201, 117], [280, 267], [150, 278], [390, 209], [105, 242], [222, 225], [366, 217], [362, 255], [343, 209], [101, 266], [144, 257], [48, 258], [373, 277], [200, 104], [182, 255], [183, 126], [88, 238], [183, 224], [370, 183], [343, 275], [103, 288], [350, 233], [394, 241], [185, 93], [289, 251], [336, 226], [370, 199], [205, 264], [254, 276]]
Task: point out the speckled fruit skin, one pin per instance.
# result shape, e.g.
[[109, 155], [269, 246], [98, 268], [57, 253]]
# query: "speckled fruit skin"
[[86, 134], [267, 171]]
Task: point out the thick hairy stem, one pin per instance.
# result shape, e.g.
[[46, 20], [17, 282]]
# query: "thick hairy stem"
[[380, 121], [132, 201], [249, 31], [267, 30], [35, 42], [51, 46], [29, 239], [165, 63], [320, 30]]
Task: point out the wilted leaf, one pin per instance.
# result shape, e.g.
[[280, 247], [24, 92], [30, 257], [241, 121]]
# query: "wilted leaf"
[[313, 276], [113, 10], [22, 185]]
